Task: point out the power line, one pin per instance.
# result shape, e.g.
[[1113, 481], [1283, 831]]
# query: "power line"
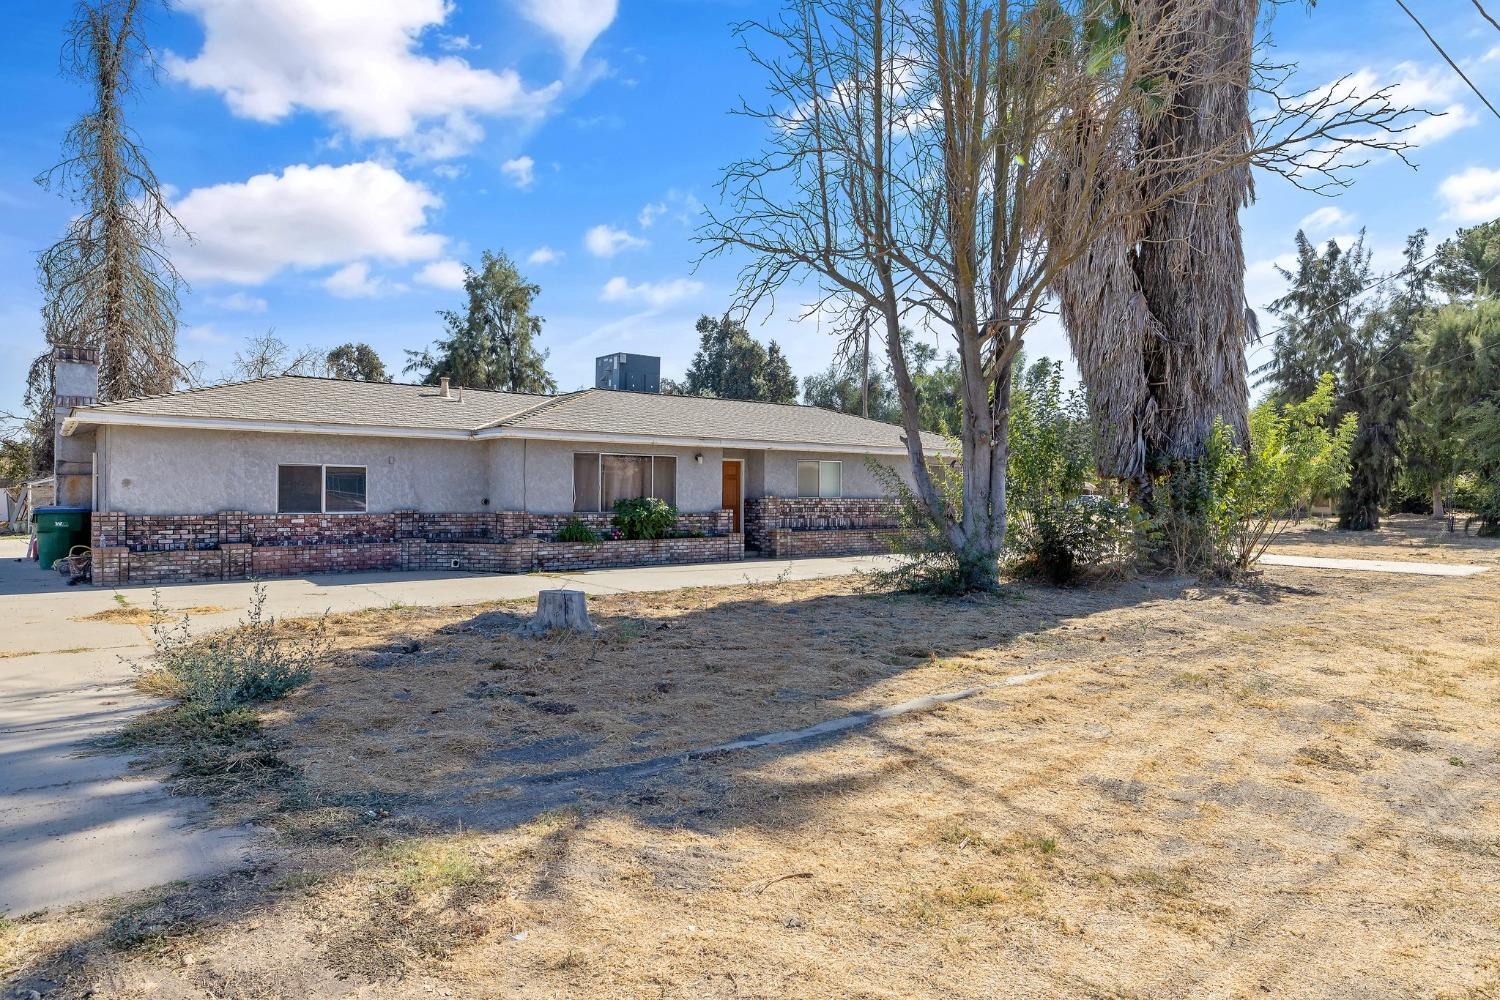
[[1391, 276], [1447, 57], [1486, 15], [1406, 375]]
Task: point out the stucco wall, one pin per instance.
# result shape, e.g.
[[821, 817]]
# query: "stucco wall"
[[147, 470], [163, 471], [780, 475]]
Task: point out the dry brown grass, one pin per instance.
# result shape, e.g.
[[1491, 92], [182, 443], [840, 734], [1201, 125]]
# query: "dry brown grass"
[[1288, 787], [127, 615]]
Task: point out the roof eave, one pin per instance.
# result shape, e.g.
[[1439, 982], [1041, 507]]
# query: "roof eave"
[[108, 418], [682, 441]]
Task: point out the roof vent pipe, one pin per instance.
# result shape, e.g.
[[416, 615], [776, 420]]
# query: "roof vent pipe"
[[443, 385], [460, 393]]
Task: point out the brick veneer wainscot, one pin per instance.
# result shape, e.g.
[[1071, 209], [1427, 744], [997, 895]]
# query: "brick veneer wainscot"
[[852, 525], [234, 545]]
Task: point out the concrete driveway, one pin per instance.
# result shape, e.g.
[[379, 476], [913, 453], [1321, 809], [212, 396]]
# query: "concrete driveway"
[[76, 828]]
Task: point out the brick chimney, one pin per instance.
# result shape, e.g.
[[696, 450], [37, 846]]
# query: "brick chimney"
[[75, 382]]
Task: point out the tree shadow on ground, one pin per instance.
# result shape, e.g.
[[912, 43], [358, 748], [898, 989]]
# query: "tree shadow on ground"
[[441, 720]]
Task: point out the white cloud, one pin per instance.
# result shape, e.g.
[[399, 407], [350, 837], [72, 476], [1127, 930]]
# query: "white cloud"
[[442, 274], [353, 281], [1324, 220], [574, 23], [355, 60], [681, 206], [239, 302], [544, 255], [521, 171], [1431, 88], [606, 241], [651, 293], [305, 217], [1471, 196], [650, 213]]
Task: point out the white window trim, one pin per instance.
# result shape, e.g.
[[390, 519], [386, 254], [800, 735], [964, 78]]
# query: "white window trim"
[[600, 456], [322, 486], [820, 462]]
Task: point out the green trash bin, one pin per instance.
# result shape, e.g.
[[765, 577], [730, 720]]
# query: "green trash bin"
[[58, 529]]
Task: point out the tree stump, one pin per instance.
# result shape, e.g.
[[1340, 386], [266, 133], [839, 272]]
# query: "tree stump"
[[560, 609]]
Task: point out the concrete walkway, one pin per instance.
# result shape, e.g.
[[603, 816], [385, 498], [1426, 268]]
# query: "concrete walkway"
[[1375, 565], [76, 828]]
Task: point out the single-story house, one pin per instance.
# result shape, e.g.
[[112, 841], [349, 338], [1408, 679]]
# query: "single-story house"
[[293, 475]]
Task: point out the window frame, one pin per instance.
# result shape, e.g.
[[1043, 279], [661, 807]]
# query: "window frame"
[[322, 468], [820, 462], [600, 456]]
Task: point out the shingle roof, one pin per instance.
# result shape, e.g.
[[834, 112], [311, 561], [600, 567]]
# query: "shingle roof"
[[638, 413], [302, 399], [299, 399]]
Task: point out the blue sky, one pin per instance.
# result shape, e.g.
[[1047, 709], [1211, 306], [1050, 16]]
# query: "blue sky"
[[337, 159]]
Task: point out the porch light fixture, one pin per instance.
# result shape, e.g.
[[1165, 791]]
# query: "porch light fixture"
[[698, 458]]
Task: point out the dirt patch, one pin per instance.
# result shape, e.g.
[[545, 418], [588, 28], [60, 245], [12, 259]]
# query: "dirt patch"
[[1288, 788], [147, 616]]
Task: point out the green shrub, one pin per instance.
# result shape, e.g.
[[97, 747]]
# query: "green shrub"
[[239, 666], [1221, 513], [575, 530], [1058, 528], [645, 518], [1057, 540]]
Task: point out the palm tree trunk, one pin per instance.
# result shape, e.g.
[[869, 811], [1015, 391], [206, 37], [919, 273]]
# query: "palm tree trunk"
[[1158, 319]]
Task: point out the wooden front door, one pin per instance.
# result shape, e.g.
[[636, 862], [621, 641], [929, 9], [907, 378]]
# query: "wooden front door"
[[734, 490]]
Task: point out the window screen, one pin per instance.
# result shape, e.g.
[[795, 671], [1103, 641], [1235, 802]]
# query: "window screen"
[[345, 488], [664, 479], [820, 479], [807, 479], [299, 489], [625, 477]]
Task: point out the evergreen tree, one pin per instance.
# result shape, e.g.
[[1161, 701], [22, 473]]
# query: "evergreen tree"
[[1468, 265], [356, 363], [1380, 392], [1322, 319], [1461, 397], [840, 387], [731, 364], [492, 343]]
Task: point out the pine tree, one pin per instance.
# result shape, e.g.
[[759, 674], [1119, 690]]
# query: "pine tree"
[[731, 364], [492, 343], [1381, 393]]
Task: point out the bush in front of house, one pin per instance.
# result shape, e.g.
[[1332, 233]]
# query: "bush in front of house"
[[575, 530], [644, 519], [1220, 513], [240, 666]]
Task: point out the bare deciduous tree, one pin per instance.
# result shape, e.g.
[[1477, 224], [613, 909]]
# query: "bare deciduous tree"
[[267, 355], [108, 283], [951, 159]]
